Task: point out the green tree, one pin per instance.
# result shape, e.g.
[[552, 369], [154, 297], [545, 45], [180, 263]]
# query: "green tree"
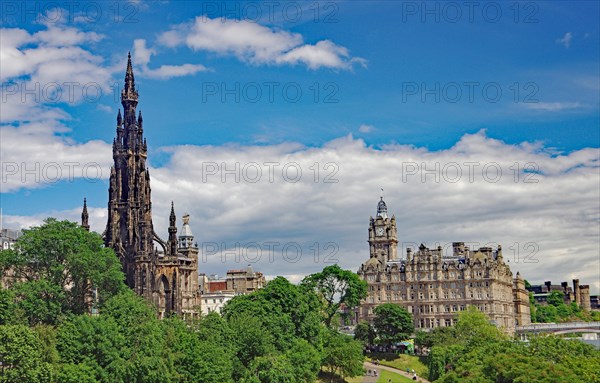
[[20, 357], [252, 339], [335, 286], [270, 369], [38, 302], [305, 361], [342, 355], [195, 358], [474, 328], [365, 333], [7, 306], [47, 336], [546, 314], [556, 298], [59, 266], [125, 343], [213, 327], [75, 373], [88, 343], [392, 323], [282, 310]]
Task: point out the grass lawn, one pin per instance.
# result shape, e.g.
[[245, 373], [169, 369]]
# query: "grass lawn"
[[402, 362], [395, 378]]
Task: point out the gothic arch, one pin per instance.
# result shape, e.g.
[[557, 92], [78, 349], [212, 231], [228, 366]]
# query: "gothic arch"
[[164, 289]]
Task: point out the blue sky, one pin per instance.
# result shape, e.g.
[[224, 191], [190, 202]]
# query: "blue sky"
[[395, 77]]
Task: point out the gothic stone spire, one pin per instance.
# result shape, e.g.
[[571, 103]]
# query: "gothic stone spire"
[[85, 216], [172, 231], [129, 230]]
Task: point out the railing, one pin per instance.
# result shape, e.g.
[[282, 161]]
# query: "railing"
[[548, 327]]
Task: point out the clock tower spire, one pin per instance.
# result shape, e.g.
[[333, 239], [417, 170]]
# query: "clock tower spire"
[[383, 235]]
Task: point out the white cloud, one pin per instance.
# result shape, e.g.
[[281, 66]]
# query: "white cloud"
[[322, 54], [142, 56], [553, 106], [565, 40], [105, 108], [141, 53], [34, 156], [559, 213], [170, 71], [42, 72], [364, 128], [256, 44]]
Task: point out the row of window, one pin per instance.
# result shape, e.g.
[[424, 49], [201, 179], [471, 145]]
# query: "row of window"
[[430, 276]]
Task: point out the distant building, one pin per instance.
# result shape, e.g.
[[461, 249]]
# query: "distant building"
[[215, 292], [434, 287], [243, 281], [8, 237], [579, 294], [215, 301]]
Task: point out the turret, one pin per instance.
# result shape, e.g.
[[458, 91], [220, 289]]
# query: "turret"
[[382, 209], [172, 231], [186, 238], [85, 216], [129, 96]]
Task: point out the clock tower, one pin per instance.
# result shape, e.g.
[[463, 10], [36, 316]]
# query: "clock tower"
[[383, 236]]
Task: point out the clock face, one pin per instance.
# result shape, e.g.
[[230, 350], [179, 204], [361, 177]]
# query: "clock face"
[[380, 231]]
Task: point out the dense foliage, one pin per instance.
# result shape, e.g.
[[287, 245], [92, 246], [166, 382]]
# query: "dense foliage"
[[557, 311], [476, 351], [279, 334], [336, 287], [53, 270], [392, 323]]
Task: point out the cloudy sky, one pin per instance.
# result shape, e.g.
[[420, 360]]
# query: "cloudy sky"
[[276, 125]]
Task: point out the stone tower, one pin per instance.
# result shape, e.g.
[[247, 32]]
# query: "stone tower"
[[129, 230], [582, 295], [85, 216], [521, 301], [163, 277], [383, 236]]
